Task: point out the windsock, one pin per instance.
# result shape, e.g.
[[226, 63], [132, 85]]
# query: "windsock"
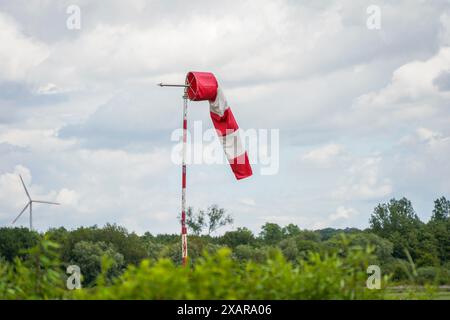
[[203, 86]]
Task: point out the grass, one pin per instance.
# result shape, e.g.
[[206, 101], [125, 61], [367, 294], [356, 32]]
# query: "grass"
[[418, 293]]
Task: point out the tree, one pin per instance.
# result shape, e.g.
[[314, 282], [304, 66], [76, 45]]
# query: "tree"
[[426, 250], [210, 220], [245, 252], [393, 216], [242, 236], [309, 235], [383, 248], [441, 211], [88, 256], [197, 246], [195, 222], [271, 233], [130, 245], [58, 235], [328, 233], [439, 227], [15, 241], [291, 230], [296, 248], [397, 222]]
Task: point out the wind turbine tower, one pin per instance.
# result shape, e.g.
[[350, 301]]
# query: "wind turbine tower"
[[30, 205]]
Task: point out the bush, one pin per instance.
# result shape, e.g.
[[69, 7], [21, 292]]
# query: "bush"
[[427, 275], [443, 276], [249, 253], [398, 270], [296, 248], [38, 277], [88, 256], [218, 276]]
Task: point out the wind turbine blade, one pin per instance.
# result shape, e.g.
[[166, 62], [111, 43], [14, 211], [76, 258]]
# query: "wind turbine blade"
[[23, 210], [48, 202], [28, 195]]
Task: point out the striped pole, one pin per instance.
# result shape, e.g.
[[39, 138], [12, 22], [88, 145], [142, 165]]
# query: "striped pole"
[[184, 253]]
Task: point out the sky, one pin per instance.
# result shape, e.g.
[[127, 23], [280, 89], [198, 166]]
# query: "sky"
[[357, 93]]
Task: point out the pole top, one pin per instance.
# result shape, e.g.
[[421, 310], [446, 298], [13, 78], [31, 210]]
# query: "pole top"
[[172, 85]]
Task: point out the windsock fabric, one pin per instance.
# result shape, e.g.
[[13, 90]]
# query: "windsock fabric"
[[204, 86]]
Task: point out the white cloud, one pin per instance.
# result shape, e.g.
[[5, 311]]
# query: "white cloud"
[[12, 194], [343, 213], [411, 82], [411, 96], [364, 180], [19, 54], [49, 88], [248, 202], [67, 197], [427, 135], [424, 136], [312, 70], [323, 155], [340, 218], [43, 140]]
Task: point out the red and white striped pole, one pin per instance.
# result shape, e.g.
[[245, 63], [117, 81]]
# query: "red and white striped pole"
[[184, 253]]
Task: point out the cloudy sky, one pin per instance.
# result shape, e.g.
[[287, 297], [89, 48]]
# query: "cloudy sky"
[[363, 114]]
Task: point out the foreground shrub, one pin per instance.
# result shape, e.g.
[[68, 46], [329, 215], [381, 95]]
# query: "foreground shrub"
[[340, 274], [38, 277], [218, 276]]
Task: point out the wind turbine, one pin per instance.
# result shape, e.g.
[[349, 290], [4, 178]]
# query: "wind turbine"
[[30, 205]]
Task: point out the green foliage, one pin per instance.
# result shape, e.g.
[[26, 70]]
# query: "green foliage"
[[242, 236], [291, 230], [88, 256], [398, 269], [433, 275], [13, 241], [439, 227], [246, 253], [195, 222], [283, 262], [296, 248], [210, 220], [395, 216], [197, 245], [38, 277], [441, 211], [383, 248], [427, 274], [154, 249], [398, 222], [218, 276], [308, 235], [271, 233], [328, 233], [130, 245]]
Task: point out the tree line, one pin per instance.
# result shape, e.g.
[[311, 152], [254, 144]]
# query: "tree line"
[[404, 247]]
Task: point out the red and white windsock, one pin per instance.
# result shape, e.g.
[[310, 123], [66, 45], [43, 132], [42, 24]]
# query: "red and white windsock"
[[203, 86]]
